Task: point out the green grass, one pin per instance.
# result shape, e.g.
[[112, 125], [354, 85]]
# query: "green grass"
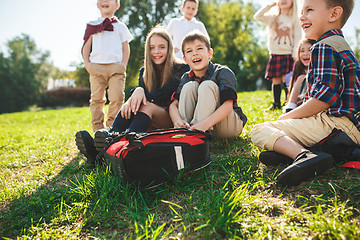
[[46, 191]]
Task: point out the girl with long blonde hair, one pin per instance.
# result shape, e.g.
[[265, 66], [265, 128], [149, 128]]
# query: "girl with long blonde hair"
[[147, 107]]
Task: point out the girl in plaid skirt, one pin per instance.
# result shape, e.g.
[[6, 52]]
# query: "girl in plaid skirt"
[[284, 33]]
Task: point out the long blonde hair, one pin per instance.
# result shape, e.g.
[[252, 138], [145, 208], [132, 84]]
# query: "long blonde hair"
[[152, 79]]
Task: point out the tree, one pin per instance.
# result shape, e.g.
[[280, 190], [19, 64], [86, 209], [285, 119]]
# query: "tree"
[[234, 34], [235, 39], [81, 76], [23, 74]]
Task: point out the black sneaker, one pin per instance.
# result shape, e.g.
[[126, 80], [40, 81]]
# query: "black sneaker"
[[100, 137], [85, 143], [305, 166], [271, 158]]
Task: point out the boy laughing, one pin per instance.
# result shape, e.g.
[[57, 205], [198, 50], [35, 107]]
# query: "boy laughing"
[[332, 100], [206, 98]]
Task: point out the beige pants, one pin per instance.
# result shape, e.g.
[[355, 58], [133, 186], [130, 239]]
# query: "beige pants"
[[305, 131], [197, 102], [101, 77]]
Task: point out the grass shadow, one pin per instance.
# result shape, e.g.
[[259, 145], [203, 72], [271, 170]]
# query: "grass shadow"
[[42, 205]]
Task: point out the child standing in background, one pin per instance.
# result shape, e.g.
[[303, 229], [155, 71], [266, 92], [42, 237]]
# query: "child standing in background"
[[179, 27], [284, 34], [298, 83], [106, 53]]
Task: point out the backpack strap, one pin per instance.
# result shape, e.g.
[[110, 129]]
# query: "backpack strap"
[[336, 42]]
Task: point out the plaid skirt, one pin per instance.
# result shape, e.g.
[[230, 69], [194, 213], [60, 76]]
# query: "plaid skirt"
[[279, 65]]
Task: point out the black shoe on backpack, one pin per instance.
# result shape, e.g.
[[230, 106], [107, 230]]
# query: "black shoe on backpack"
[[271, 158], [85, 143], [305, 166], [102, 136], [100, 139]]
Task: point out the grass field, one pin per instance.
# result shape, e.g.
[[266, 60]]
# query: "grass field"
[[47, 192]]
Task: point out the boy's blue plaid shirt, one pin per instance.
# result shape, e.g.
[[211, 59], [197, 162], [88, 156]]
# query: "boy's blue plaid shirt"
[[334, 78]]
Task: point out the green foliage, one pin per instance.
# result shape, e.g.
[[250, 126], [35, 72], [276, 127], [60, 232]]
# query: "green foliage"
[[235, 39], [234, 35], [81, 76], [23, 74]]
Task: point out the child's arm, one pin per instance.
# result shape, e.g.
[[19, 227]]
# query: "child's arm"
[[126, 53], [260, 14], [86, 52], [311, 107], [295, 91], [220, 114], [175, 116]]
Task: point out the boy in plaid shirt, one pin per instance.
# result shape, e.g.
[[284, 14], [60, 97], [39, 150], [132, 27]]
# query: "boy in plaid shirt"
[[332, 101]]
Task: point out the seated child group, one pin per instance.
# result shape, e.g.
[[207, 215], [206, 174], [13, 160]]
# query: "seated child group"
[[179, 86]]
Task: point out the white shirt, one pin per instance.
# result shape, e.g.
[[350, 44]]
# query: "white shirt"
[[179, 27], [107, 45]]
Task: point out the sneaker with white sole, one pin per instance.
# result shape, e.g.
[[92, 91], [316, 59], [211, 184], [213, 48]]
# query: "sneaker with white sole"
[[305, 166]]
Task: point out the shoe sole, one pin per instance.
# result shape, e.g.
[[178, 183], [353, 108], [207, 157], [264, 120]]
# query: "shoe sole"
[[99, 140], [271, 158], [298, 172], [81, 143]]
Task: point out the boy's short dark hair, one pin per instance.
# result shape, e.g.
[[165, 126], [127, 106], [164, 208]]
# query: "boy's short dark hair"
[[195, 35], [184, 2], [347, 6]]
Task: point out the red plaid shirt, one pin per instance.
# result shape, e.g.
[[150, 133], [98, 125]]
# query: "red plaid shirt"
[[334, 79]]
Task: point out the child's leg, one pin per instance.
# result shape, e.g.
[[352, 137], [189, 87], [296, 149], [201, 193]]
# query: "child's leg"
[[288, 147], [160, 118], [116, 90], [231, 126], [140, 123], [188, 99], [289, 137], [120, 124], [208, 101], [98, 84], [285, 87], [306, 131], [276, 88]]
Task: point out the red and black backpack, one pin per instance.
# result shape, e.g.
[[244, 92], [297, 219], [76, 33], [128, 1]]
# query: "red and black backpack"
[[150, 158]]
